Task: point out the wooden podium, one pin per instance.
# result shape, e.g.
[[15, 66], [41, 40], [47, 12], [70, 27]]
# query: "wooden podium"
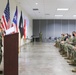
[[11, 54]]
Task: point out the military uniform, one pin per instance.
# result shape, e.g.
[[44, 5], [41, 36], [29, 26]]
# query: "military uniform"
[[40, 36], [67, 47], [0, 47], [73, 52]]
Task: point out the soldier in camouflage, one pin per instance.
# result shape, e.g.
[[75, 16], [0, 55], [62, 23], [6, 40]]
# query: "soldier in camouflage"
[[1, 33], [0, 42], [0, 49], [40, 37]]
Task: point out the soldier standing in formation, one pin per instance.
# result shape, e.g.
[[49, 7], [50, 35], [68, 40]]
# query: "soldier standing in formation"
[[40, 37]]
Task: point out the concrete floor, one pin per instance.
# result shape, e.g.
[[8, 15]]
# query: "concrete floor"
[[42, 59]]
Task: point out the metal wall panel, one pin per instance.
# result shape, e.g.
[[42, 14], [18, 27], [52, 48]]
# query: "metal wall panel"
[[58, 28], [53, 28], [64, 26], [36, 27], [43, 29], [71, 26]]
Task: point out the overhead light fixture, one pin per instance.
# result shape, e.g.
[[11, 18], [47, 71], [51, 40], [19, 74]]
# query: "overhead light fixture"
[[36, 3], [62, 9], [74, 15], [58, 15]]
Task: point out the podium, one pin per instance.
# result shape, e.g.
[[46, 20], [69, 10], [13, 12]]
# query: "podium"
[[11, 54]]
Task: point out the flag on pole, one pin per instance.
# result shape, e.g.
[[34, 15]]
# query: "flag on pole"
[[24, 28], [15, 20], [6, 17], [21, 25]]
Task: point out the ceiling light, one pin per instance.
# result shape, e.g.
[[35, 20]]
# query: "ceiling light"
[[74, 15], [62, 9], [58, 15], [36, 3]]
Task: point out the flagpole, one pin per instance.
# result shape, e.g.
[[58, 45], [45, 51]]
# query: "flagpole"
[[19, 43]]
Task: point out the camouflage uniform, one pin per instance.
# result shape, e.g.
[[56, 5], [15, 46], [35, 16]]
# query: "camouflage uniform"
[[0, 47], [40, 36], [65, 47], [69, 47], [71, 51], [57, 42], [74, 51], [61, 46]]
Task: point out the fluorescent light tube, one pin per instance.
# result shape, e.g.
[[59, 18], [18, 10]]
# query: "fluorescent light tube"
[[62, 9], [74, 15], [59, 15]]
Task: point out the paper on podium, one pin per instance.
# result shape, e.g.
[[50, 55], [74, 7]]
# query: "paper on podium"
[[10, 30]]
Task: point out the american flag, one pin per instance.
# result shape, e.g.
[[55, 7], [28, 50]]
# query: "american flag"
[[15, 20], [6, 18]]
